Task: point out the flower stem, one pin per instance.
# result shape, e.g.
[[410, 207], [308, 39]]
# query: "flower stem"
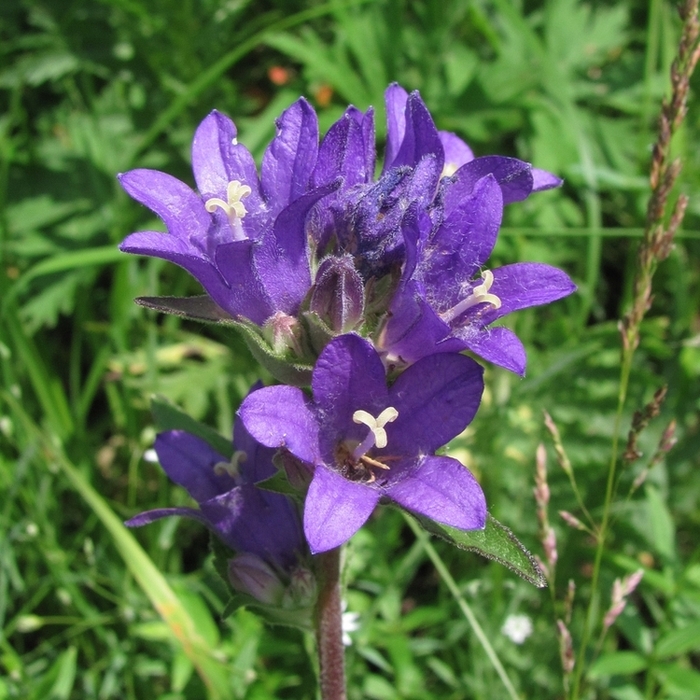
[[329, 629]]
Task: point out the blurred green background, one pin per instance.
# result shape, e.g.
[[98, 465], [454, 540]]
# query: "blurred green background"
[[92, 88]]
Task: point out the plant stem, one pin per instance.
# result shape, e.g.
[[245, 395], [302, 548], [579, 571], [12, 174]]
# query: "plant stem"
[[656, 246], [329, 628]]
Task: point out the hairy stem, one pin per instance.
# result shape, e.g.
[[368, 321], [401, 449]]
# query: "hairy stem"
[[329, 628]]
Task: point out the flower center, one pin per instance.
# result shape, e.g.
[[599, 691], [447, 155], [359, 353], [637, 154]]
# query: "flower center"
[[231, 467], [377, 435], [479, 295], [233, 207]]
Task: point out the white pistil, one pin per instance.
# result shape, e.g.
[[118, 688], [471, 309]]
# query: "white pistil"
[[480, 295], [377, 435], [234, 208], [232, 467]]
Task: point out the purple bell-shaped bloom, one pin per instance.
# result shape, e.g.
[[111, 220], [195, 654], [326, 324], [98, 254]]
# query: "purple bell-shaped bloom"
[[248, 519], [365, 441]]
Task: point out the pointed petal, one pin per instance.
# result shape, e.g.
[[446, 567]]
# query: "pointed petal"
[[258, 464], [335, 509], [464, 241], [437, 397], [348, 376], [499, 346], [281, 260], [457, 153], [290, 158], [182, 253], [246, 294], [218, 158], [189, 461], [522, 285], [249, 519], [181, 209], [513, 176], [543, 180], [443, 490], [342, 153], [151, 516], [421, 137], [280, 416], [414, 330], [395, 98]]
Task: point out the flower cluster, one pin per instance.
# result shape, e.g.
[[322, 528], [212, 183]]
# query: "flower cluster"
[[368, 288]]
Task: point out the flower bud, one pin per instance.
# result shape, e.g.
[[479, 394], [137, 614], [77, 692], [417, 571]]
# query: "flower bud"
[[249, 574], [301, 592], [338, 294], [283, 333]]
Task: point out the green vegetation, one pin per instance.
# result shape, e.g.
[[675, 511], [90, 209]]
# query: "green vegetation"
[[90, 610]]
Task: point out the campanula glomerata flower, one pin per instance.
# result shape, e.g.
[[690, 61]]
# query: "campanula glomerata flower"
[[364, 441], [251, 521]]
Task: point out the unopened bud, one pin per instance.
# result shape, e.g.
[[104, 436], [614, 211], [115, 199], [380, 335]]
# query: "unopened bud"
[[301, 592], [283, 333], [249, 574], [338, 296]]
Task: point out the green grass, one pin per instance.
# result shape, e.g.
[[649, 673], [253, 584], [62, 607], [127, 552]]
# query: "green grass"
[[89, 89]]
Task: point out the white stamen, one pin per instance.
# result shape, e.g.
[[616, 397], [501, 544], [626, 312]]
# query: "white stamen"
[[480, 295], [233, 207], [232, 467], [377, 435], [234, 142]]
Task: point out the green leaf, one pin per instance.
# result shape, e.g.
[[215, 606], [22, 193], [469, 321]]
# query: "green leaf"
[[278, 483], [618, 663], [200, 308], [678, 641], [494, 542], [169, 417]]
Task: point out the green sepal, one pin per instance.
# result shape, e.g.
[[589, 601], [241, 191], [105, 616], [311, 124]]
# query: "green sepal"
[[199, 308], [319, 332], [283, 368], [494, 542], [169, 417], [278, 483]]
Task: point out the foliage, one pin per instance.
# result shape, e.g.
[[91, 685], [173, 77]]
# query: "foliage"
[[91, 89]]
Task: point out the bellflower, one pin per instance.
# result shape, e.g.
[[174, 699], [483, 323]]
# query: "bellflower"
[[447, 300], [263, 526], [242, 236], [365, 441]]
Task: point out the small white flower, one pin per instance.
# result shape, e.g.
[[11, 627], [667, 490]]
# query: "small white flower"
[[350, 623], [517, 628], [150, 456]]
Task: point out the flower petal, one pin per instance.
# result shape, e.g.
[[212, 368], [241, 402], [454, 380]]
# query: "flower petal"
[[497, 345], [217, 159], [543, 180], [257, 465], [443, 490], [463, 242], [342, 153], [437, 397], [180, 208], [335, 509], [457, 152], [522, 285], [348, 376], [182, 253], [395, 98], [420, 138], [280, 416], [513, 176], [189, 461], [249, 519], [290, 158]]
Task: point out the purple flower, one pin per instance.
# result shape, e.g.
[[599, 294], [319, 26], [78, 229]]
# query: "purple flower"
[[249, 520], [242, 236], [366, 442], [447, 301]]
